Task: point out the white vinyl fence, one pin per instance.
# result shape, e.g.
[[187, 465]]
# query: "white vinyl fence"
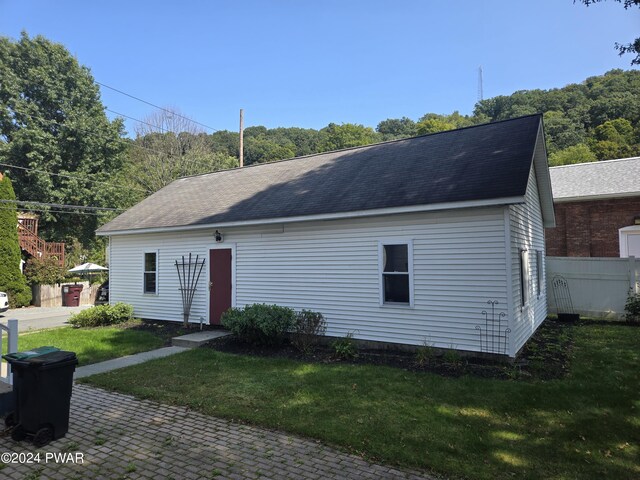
[[599, 287]]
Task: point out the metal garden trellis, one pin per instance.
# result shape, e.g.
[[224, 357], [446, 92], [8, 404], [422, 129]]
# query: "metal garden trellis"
[[188, 276]]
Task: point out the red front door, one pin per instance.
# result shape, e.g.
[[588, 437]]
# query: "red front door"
[[219, 283]]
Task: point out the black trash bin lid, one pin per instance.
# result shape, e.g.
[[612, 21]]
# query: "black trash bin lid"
[[61, 356]]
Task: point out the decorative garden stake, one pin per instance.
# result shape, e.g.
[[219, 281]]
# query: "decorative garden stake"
[[495, 339], [188, 276], [562, 297]]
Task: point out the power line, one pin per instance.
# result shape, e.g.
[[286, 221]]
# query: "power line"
[[52, 211], [155, 106], [74, 177], [61, 205]]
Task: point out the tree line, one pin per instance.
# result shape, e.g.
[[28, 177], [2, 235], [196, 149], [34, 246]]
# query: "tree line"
[[59, 148]]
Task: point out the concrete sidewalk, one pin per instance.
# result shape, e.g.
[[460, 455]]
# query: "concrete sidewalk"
[[127, 361]]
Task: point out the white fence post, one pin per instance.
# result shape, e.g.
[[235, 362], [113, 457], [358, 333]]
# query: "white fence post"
[[12, 345]]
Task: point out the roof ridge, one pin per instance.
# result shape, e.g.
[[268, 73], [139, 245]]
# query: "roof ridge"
[[397, 140], [597, 162]]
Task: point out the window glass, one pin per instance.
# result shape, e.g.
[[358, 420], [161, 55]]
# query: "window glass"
[[395, 274], [524, 277], [396, 258], [150, 273]]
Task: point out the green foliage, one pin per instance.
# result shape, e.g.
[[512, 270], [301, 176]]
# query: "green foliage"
[[44, 271], [52, 119], [393, 128], [259, 324], [11, 279], [347, 135], [307, 327], [102, 315], [580, 153], [632, 308], [345, 348], [426, 354], [433, 125]]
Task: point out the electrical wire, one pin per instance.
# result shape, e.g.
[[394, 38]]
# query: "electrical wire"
[[62, 205], [74, 177], [52, 211], [155, 106]]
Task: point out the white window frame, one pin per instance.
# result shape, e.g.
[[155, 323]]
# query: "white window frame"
[[623, 236], [144, 272], [539, 271], [395, 241], [525, 278]]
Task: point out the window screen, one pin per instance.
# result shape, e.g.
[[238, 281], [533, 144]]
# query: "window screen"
[[150, 272], [395, 273]]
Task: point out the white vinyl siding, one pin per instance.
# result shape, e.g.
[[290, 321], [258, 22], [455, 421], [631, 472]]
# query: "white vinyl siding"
[[527, 234], [459, 264]]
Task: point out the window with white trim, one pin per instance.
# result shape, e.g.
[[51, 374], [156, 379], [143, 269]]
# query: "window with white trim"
[[539, 271], [396, 272], [150, 279], [525, 276]]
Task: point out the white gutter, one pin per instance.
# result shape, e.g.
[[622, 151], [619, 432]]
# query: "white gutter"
[[321, 217], [603, 196]]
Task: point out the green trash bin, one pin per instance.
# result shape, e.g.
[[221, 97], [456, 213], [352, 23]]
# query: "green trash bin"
[[42, 384]]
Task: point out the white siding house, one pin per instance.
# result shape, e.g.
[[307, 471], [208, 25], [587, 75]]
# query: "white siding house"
[[419, 273]]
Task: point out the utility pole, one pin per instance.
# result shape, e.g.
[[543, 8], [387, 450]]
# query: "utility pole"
[[480, 90], [241, 156]]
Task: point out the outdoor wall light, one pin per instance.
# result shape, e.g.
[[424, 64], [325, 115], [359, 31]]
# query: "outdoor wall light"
[[218, 236]]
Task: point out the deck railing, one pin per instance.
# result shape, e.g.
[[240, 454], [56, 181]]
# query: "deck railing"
[[12, 347]]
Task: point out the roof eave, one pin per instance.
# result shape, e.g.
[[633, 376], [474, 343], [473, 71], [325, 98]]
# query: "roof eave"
[[322, 217], [543, 179]]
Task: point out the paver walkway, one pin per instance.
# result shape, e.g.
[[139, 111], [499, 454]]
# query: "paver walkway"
[[121, 437]]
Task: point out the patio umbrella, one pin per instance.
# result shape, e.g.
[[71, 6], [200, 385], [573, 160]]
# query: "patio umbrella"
[[88, 269]]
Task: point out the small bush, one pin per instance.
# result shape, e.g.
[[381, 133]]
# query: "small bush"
[[45, 271], [102, 315], [345, 348], [19, 294], [259, 324], [426, 354], [308, 326], [632, 308]]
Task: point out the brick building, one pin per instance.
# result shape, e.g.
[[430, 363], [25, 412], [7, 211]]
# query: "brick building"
[[597, 208]]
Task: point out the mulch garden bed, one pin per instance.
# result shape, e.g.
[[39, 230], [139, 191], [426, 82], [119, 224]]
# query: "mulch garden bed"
[[545, 356]]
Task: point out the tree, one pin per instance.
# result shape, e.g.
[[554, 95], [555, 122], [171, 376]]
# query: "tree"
[[337, 137], [393, 128], [433, 125], [168, 146], [53, 126], [633, 47], [261, 149], [11, 279], [614, 139], [570, 155]]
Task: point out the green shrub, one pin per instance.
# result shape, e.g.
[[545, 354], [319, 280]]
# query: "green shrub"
[[19, 293], [102, 315], [44, 271], [345, 348], [632, 308], [308, 326], [426, 354], [259, 324]]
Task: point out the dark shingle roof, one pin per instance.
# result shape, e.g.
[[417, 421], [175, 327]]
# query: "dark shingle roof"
[[478, 163]]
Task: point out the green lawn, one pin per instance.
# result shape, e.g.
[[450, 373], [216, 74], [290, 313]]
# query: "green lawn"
[[585, 426], [91, 344]]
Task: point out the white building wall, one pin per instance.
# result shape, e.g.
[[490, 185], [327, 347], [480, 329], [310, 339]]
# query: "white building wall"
[[527, 233], [332, 267]]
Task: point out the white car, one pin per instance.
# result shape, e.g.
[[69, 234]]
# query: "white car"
[[4, 302]]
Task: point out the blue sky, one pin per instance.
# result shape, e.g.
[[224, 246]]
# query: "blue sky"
[[308, 63]]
